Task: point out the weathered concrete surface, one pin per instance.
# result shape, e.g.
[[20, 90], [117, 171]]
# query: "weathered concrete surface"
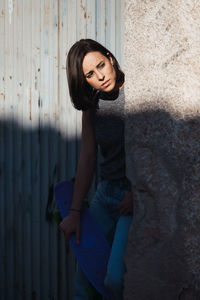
[[162, 66]]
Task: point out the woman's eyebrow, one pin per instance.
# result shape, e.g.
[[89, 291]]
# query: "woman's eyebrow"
[[99, 63]]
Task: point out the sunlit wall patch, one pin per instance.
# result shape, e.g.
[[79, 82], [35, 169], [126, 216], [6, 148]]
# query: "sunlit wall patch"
[[10, 10]]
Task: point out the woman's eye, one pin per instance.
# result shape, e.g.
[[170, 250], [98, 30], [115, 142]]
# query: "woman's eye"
[[102, 65], [89, 75]]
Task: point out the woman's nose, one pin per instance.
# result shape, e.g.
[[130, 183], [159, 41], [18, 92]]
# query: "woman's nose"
[[100, 75]]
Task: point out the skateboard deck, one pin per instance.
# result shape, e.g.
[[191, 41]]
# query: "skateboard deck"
[[94, 250]]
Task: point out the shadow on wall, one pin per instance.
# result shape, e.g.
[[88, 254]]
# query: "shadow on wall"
[[34, 261], [163, 255], [163, 163]]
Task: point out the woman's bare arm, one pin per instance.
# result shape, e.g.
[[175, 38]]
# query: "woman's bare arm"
[[84, 176], [87, 162]]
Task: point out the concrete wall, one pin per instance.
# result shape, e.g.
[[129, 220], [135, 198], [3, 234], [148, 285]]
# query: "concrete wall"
[[162, 66]]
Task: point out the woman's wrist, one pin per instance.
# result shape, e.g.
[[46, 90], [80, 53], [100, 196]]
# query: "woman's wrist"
[[75, 210], [128, 192]]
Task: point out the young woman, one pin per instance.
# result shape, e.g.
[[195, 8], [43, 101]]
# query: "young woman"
[[96, 87]]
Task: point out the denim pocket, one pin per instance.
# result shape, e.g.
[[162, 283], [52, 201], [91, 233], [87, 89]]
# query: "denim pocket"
[[114, 192]]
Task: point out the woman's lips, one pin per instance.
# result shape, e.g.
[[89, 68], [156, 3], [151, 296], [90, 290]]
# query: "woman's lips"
[[106, 83]]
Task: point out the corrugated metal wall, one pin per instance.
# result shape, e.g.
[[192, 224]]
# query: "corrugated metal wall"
[[39, 135]]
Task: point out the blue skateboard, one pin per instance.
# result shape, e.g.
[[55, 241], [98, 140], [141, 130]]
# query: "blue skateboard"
[[93, 251]]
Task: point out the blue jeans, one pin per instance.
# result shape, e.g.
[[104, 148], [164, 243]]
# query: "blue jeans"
[[115, 227]]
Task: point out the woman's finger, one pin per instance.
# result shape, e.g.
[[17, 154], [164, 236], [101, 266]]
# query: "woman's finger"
[[78, 236], [67, 237]]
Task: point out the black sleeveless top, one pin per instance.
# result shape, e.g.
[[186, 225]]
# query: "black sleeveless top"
[[108, 121]]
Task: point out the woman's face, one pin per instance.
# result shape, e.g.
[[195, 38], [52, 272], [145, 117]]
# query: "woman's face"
[[99, 71]]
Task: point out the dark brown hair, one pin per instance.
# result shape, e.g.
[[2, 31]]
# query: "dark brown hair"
[[80, 91]]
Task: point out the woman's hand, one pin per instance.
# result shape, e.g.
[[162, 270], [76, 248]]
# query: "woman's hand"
[[126, 206], [71, 224]]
